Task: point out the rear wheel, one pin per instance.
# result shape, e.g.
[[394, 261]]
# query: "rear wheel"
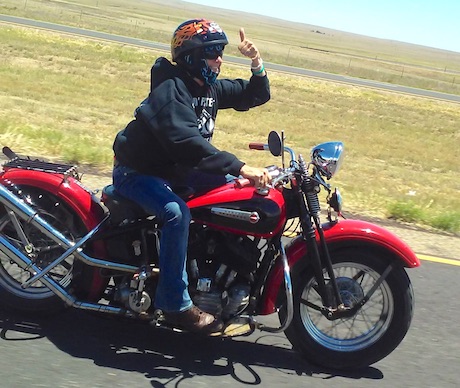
[[40, 249], [365, 338]]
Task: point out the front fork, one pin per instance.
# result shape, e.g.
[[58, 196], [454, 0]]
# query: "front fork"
[[309, 213], [333, 306]]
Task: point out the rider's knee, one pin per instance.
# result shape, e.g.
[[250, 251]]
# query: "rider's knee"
[[177, 214]]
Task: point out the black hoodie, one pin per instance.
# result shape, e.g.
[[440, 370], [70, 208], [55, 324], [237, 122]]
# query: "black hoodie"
[[174, 125]]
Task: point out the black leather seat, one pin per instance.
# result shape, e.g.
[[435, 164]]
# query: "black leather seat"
[[122, 208]]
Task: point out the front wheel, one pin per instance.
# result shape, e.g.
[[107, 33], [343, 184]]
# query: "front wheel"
[[372, 333]]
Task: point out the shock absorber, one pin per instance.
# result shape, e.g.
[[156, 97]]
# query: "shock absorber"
[[331, 297], [310, 189]]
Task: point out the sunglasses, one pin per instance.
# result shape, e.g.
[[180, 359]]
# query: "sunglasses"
[[213, 52]]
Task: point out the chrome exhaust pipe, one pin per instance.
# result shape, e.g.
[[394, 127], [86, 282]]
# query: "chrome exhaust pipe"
[[289, 297], [24, 211], [13, 254], [20, 208], [28, 214]]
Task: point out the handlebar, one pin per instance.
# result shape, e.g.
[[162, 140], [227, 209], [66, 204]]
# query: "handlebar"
[[243, 182], [258, 146], [278, 175], [265, 147]]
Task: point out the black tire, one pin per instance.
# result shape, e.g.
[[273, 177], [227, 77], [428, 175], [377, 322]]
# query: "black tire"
[[372, 333], [37, 298]]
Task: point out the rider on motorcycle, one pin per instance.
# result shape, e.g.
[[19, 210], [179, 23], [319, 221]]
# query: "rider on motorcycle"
[[168, 144]]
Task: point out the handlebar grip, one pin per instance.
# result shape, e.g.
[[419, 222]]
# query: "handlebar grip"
[[243, 182], [257, 146]]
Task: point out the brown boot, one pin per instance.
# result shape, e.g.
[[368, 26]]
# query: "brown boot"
[[195, 321]]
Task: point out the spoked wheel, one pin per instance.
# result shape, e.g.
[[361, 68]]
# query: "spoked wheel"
[[374, 331], [40, 249]]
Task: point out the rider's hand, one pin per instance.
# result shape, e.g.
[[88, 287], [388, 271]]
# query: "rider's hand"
[[247, 48], [260, 176]]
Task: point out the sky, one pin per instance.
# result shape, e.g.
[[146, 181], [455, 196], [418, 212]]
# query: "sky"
[[432, 23]]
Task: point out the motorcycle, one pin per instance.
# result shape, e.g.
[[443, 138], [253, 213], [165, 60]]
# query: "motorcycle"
[[340, 287]]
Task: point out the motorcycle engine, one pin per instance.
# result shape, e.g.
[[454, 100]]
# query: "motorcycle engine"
[[220, 269]]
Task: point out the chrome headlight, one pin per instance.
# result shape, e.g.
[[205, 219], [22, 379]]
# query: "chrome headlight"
[[328, 157]]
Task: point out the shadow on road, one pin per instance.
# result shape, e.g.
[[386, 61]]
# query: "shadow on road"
[[163, 356]]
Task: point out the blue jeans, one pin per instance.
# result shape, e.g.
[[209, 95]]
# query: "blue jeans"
[[157, 198]]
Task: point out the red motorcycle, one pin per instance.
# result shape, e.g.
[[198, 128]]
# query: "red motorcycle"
[[340, 288]]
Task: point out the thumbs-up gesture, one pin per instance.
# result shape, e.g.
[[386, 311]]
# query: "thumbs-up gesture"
[[246, 47]]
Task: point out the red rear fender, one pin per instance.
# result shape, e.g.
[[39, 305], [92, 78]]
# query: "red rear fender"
[[80, 199], [346, 233]]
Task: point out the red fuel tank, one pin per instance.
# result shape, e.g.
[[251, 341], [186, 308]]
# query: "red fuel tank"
[[241, 210]]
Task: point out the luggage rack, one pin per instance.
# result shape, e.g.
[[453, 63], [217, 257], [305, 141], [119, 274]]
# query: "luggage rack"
[[67, 170]]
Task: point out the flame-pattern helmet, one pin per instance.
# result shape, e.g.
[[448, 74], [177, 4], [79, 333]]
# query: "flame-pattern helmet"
[[196, 34]]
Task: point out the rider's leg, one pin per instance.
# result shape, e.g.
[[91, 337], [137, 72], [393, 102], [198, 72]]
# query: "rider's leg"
[[156, 197]]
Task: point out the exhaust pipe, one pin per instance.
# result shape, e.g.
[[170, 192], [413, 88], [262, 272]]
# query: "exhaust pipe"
[[24, 211], [13, 254], [28, 214]]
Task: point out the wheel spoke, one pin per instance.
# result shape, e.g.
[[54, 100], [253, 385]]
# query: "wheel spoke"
[[365, 326], [311, 305], [36, 245]]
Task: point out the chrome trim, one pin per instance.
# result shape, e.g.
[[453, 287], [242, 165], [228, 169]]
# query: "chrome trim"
[[289, 298], [251, 217], [24, 211], [25, 263]]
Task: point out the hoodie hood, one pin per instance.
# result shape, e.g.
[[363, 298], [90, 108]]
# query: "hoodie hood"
[[162, 70]]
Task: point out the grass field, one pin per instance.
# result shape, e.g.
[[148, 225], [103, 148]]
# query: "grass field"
[[65, 98], [294, 44]]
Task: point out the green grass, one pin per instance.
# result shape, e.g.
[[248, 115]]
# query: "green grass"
[[65, 98], [412, 212]]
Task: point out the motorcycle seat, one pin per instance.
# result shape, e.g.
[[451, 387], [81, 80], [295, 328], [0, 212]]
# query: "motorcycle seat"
[[122, 208]]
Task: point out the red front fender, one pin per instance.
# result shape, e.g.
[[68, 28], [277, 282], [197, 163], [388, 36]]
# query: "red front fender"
[[81, 200], [346, 233]]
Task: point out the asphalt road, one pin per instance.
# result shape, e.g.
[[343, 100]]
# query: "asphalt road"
[[292, 70], [77, 349]]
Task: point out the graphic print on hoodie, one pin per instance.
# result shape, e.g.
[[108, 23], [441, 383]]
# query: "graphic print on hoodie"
[[205, 112]]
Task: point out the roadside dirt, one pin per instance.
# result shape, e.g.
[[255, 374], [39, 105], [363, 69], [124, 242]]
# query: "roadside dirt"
[[422, 241]]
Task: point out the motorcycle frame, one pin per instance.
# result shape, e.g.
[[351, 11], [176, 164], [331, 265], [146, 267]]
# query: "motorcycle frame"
[[91, 212], [18, 207]]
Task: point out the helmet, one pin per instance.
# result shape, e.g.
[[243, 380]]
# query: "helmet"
[[190, 40], [196, 34]]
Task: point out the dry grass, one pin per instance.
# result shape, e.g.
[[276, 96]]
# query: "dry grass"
[[283, 42]]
